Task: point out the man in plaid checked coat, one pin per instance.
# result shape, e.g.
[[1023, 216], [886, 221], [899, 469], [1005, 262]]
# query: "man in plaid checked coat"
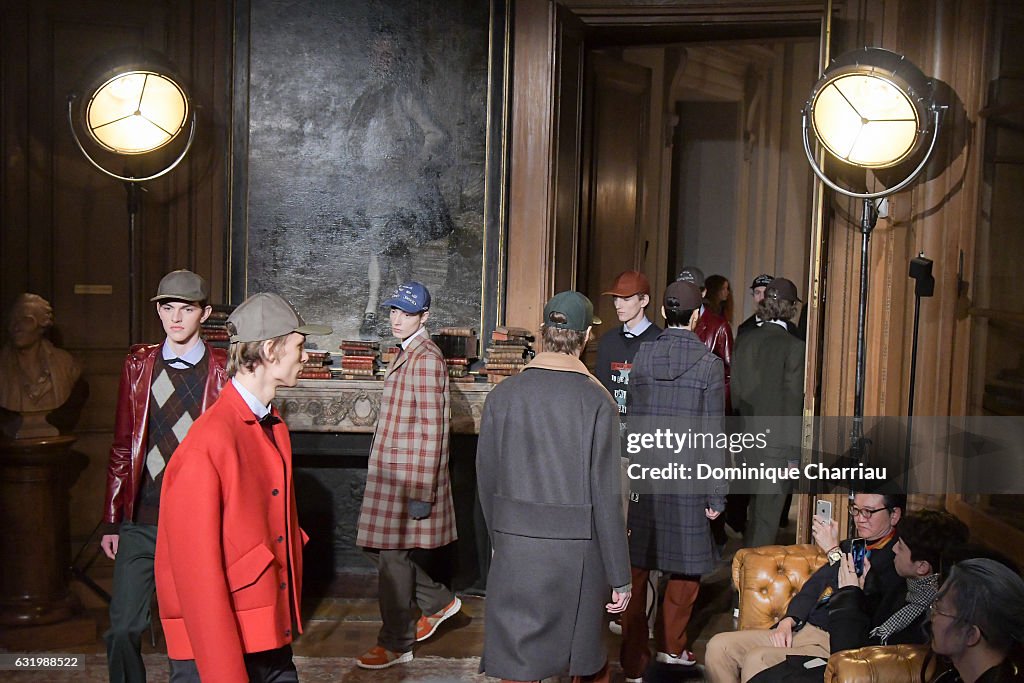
[[674, 377], [407, 504]]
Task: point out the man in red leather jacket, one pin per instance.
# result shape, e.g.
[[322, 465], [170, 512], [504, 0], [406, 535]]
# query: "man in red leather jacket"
[[712, 329], [164, 387]]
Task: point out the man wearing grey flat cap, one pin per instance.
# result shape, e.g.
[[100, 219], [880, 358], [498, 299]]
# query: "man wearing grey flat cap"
[[768, 381], [229, 546], [164, 388]]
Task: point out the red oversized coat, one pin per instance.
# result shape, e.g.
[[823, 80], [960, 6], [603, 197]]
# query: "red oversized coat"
[[229, 548], [409, 456]]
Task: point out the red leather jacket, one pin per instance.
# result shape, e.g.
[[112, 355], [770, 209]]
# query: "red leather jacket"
[[128, 452], [716, 334]]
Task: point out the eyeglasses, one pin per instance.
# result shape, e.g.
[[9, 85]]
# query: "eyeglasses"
[[864, 513], [933, 610]]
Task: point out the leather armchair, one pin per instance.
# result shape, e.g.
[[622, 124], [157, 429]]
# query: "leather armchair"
[[767, 577], [895, 663]]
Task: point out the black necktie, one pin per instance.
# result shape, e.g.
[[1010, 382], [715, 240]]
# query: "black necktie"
[[269, 420], [172, 361]]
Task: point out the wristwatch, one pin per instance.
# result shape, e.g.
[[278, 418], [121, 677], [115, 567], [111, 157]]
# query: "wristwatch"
[[835, 556]]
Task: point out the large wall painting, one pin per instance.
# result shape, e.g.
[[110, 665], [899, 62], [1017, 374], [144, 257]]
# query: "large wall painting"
[[365, 158]]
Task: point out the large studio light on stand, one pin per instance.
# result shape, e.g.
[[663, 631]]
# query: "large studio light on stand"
[[872, 110], [130, 109]]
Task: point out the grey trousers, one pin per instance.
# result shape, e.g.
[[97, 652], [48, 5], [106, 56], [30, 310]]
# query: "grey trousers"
[[130, 603], [405, 591]]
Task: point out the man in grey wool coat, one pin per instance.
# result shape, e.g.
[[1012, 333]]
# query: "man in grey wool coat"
[[548, 474]]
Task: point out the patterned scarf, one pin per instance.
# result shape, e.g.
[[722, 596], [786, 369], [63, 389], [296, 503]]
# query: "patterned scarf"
[[920, 594]]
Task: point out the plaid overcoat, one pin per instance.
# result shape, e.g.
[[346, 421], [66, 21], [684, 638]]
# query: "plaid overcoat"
[[409, 455], [676, 376]]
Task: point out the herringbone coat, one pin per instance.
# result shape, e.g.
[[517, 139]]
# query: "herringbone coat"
[[409, 455]]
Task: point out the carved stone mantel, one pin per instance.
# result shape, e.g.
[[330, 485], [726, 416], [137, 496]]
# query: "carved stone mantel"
[[348, 405]]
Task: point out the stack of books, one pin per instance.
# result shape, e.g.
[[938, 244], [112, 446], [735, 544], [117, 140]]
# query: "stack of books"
[[359, 359], [316, 366], [387, 355], [213, 328], [509, 352], [459, 346]]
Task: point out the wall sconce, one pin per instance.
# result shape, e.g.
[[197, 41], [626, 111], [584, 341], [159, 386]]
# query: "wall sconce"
[[131, 108], [871, 109]]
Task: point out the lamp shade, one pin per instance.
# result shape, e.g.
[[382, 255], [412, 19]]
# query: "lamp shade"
[[136, 111], [870, 108]]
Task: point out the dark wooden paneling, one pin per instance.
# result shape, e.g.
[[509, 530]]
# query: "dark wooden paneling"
[[65, 223]]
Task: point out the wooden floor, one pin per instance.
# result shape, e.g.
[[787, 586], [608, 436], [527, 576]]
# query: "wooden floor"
[[343, 622]]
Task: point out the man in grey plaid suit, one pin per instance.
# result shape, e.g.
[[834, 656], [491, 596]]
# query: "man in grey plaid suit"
[[407, 504]]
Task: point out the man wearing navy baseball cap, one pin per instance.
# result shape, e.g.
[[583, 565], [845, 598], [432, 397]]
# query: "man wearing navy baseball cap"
[[407, 506]]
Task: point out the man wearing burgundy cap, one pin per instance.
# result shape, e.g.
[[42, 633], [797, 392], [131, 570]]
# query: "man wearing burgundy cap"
[[631, 293]]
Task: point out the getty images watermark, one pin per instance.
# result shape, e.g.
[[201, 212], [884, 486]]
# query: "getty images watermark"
[[691, 442], [931, 455]]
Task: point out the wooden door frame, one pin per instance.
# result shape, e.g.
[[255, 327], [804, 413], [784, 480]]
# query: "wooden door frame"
[[537, 31]]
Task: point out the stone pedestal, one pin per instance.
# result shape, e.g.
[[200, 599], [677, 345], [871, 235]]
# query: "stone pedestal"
[[35, 478]]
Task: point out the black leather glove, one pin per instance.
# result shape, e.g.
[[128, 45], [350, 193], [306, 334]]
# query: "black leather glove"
[[419, 509]]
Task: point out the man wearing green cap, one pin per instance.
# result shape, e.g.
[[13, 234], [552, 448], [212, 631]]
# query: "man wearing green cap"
[[548, 477], [229, 547], [164, 388]]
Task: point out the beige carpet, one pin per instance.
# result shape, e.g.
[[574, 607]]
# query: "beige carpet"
[[311, 670]]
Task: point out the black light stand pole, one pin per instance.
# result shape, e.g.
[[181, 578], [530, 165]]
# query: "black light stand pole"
[[134, 331], [921, 271], [859, 444]]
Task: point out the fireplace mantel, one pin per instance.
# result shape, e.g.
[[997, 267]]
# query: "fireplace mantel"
[[341, 405]]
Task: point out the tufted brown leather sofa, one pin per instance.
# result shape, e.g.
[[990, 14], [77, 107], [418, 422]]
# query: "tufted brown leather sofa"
[[895, 663], [767, 577]]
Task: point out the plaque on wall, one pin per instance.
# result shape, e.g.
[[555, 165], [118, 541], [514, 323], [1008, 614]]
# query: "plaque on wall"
[[365, 158]]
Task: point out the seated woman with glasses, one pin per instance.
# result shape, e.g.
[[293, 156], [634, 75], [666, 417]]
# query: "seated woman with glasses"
[[977, 622]]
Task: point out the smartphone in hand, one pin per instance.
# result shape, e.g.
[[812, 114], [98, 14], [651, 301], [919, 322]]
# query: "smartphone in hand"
[[858, 550], [823, 508]]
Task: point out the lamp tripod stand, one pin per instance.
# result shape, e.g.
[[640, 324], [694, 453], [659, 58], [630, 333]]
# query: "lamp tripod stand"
[[871, 109]]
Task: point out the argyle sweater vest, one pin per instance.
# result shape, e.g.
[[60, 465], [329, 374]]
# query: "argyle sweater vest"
[[175, 401]]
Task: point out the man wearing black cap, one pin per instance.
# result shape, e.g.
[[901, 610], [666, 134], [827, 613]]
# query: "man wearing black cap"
[[407, 504], [631, 293], [164, 388], [712, 329], [768, 380], [229, 547], [548, 477], [757, 288], [674, 377]]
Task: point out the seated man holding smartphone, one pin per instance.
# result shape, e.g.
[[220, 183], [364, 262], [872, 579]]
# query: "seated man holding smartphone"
[[900, 615], [738, 656]]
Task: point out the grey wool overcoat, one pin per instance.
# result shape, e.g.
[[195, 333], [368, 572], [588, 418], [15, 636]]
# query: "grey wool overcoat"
[[675, 376], [548, 474]]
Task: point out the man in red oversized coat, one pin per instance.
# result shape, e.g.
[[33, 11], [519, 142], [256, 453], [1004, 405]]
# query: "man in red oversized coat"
[[229, 547], [407, 505]]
